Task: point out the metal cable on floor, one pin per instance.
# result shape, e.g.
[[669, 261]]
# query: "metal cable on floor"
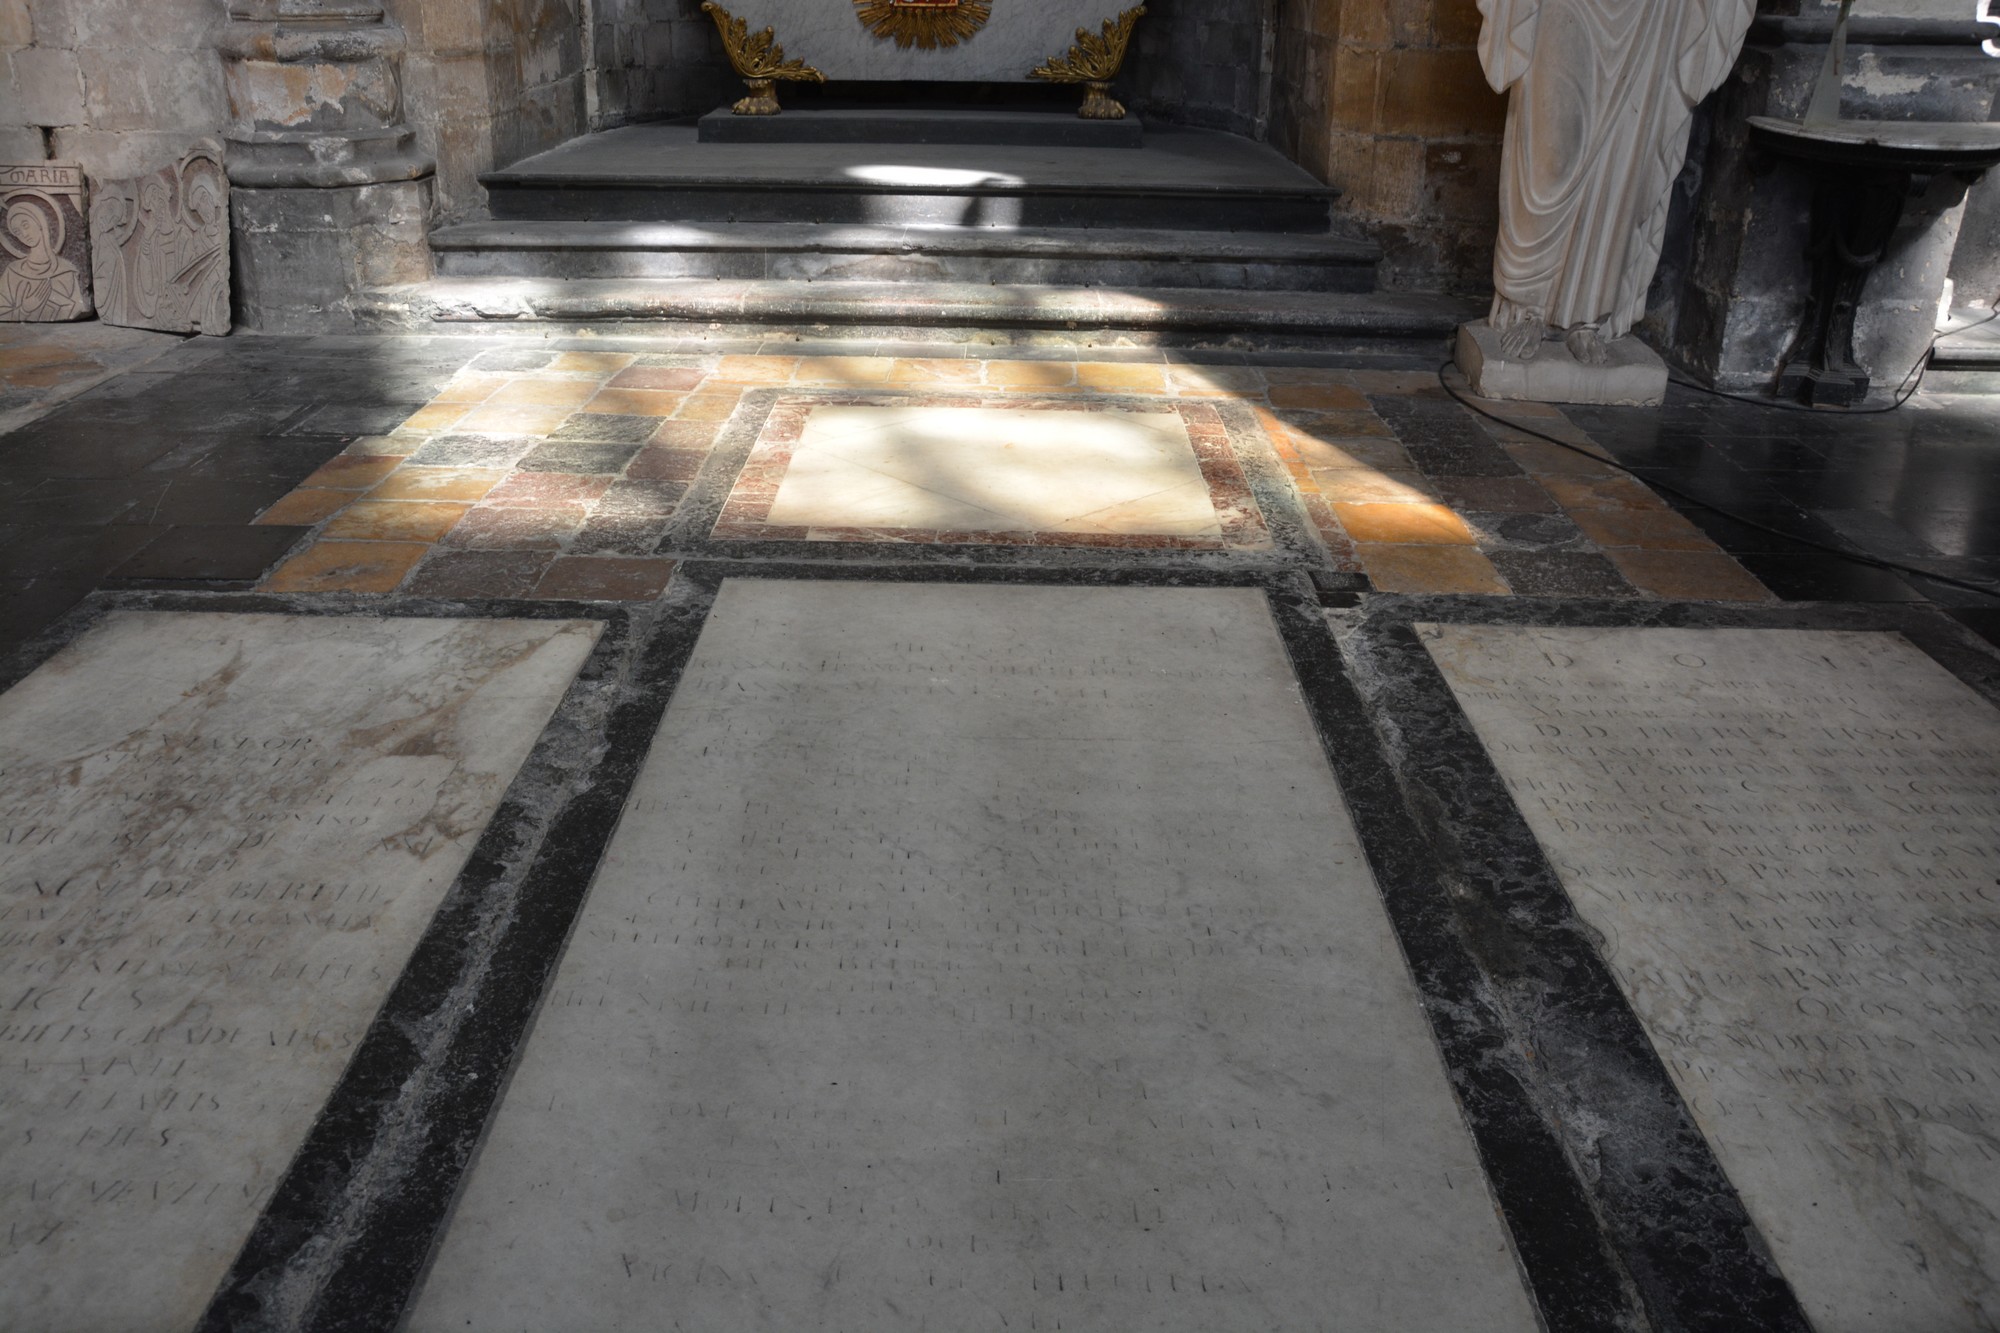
[[1980, 587]]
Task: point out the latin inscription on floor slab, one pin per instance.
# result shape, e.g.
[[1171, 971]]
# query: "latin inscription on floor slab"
[[220, 835], [1790, 844], [977, 957]]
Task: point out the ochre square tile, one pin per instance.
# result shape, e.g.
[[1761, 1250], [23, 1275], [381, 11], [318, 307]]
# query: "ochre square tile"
[[635, 402], [347, 567], [1217, 381], [707, 406], [470, 388], [675, 379], [1318, 397], [437, 416], [1119, 377], [1433, 569], [1380, 455], [1364, 485], [755, 370], [591, 363], [305, 507], [1602, 492], [1692, 576], [400, 445], [533, 391], [438, 483], [1655, 529], [350, 472], [934, 370], [394, 520], [1420, 523], [1542, 459], [1031, 374], [513, 418], [606, 578], [842, 370]]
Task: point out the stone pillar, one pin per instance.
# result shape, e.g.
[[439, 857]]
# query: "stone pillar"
[[331, 194], [1732, 292]]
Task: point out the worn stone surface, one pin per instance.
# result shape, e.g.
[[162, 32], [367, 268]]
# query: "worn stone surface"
[[1018, 980], [44, 243], [308, 258], [228, 831], [1783, 840], [1634, 376], [159, 247]]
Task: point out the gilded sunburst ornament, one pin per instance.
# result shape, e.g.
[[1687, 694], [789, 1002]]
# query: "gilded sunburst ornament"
[[927, 24]]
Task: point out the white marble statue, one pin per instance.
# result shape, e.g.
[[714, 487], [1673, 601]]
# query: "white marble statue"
[[1597, 129]]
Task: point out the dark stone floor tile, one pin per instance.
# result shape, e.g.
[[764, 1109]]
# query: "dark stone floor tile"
[[1743, 531], [1983, 621], [1519, 495], [202, 501], [219, 553], [1827, 578], [82, 552], [608, 428], [97, 449], [1483, 459], [294, 456], [580, 457], [349, 418], [639, 497], [89, 500], [469, 450], [1560, 574], [1522, 532], [450, 573], [620, 534]]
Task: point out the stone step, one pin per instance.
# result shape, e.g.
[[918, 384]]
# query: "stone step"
[[1055, 257], [954, 311], [1180, 180]]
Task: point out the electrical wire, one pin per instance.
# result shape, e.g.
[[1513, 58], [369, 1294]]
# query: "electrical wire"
[[1905, 389], [1981, 587]]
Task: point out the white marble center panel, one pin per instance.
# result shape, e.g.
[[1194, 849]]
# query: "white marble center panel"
[[1789, 842], [984, 469], [980, 957], [220, 836], [1020, 34]]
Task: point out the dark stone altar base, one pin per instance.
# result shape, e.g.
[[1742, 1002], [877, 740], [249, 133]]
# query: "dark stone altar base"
[[887, 125]]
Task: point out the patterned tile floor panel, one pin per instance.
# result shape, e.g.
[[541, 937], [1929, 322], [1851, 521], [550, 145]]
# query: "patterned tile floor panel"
[[544, 471]]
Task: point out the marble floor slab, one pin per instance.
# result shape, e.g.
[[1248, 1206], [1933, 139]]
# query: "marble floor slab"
[[223, 834], [996, 469], [981, 956], [1786, 841]]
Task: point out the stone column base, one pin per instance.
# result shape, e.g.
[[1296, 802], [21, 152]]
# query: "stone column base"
[[303, 257], [1636, 377]]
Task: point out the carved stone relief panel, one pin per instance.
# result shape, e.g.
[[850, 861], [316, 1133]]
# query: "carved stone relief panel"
[[159, 246], [44, 250]]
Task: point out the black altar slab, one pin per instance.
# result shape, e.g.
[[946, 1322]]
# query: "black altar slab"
[[919, 125]]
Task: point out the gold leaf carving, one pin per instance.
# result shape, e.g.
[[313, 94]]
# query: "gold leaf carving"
[[1094, 62], [926, 25], [758, 59]]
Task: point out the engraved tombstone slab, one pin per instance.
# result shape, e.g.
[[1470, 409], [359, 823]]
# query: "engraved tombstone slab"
[[220, 836], [44, 242], [980, 957], [1787, 841], [159, 247]]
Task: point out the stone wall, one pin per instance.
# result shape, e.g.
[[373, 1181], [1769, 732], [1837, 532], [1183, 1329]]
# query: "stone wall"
[[1385, 99], [489, 82], [122, 86]]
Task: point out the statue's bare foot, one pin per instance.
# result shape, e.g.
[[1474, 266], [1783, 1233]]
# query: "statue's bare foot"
[[1587, 345], [1522, 339]]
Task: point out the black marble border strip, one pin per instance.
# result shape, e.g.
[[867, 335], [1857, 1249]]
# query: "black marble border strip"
[[688, 535], [1681, 1234]]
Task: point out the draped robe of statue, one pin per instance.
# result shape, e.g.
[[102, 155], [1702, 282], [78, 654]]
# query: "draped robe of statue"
[[1597, 128]]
